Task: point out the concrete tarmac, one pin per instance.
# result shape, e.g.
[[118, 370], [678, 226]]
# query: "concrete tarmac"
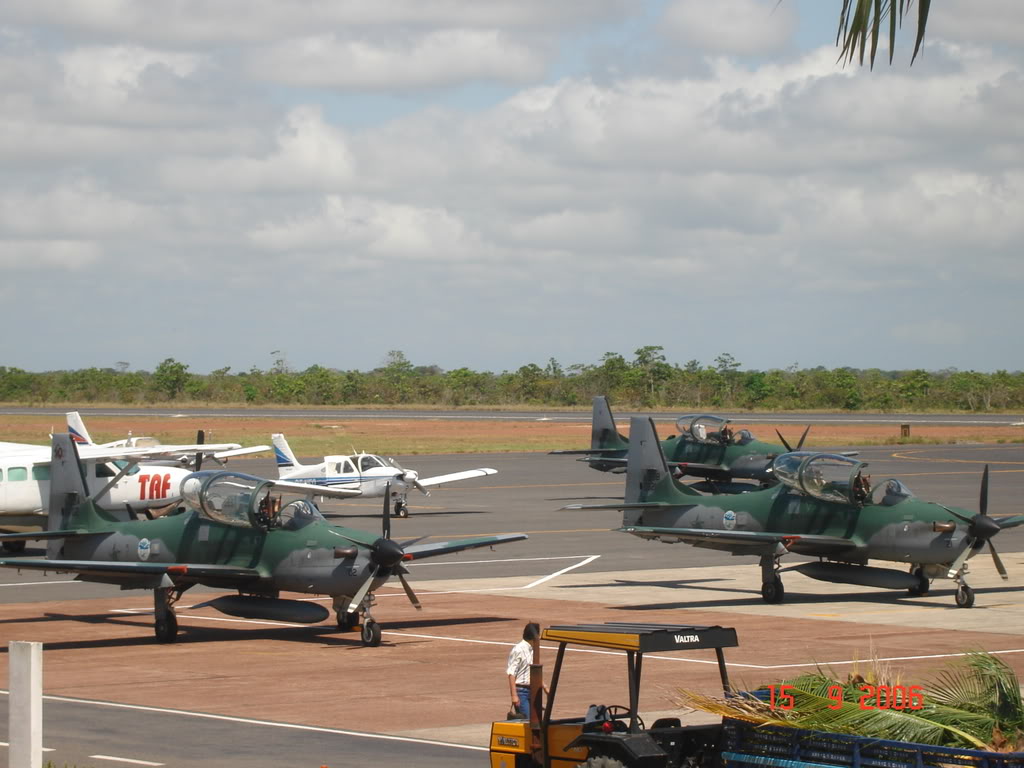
[[440, 672]]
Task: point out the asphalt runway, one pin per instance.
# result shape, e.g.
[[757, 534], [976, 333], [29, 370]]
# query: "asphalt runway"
[[573, 568], [774, 417]]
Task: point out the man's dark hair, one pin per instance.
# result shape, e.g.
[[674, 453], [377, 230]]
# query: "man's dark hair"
[[531, 631]]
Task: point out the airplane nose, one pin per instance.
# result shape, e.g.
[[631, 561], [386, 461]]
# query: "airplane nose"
[[386, 553]]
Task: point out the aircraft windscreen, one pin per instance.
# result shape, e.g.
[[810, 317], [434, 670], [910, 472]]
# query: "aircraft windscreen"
[[889, 493], [298, 514], [743, 437], [369, 462]]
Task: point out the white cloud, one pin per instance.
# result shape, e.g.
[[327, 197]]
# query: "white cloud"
[[31, 255], [72, 209], [731, 27], [107, 76], [437, 58]]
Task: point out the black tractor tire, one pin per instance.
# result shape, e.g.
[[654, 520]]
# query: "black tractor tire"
[[964, 596], [923, 584], [772, 592], [602, 761], [14, 547], [166, 628], [370, 634], [348, 621]]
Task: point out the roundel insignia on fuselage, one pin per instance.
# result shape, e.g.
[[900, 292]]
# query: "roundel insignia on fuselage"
[[144, 549], [729, 520]]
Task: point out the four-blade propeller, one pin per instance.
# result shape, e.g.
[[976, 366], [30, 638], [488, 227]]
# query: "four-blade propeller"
[[798, 445], [980, 529], [386, 554]]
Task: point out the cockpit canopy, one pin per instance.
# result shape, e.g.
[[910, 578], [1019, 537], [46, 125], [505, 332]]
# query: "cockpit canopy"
[[359, 463], [824, 476], [244, 501], [703, 428]]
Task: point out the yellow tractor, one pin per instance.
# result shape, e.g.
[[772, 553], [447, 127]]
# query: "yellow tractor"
[[611, 736]]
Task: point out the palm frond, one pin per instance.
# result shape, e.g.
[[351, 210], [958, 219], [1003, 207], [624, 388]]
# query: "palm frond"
[[861, 19]]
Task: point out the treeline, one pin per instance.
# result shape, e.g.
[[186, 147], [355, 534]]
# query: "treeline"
[[647, 379]]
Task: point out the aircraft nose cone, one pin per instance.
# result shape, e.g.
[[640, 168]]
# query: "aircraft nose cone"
[[386, 553], [984, 527]]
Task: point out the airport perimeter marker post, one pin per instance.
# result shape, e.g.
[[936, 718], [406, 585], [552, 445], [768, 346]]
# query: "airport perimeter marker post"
[[25, 705]]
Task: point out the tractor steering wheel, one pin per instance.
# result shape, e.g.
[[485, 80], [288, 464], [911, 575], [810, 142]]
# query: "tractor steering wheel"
[[617, 712]]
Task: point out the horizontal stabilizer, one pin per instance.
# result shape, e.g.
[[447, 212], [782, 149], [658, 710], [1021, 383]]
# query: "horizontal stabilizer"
[[41, 535], [587, 452], [454, 476], [421, 551], [623, 505]]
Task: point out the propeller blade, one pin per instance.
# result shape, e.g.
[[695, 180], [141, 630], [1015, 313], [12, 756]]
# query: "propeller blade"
[[983, 500], [998, 561], [386, 520], [410, 542], [788, 448], [409, 593], [200, 440], [420, 488], [357, 598], [954, 569], [957, 515], [803, 437]]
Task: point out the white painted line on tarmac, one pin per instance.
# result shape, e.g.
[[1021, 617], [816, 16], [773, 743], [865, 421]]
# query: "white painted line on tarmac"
[[123, 760], [45, 749], [505, 560], [250, 721], [40, 583]]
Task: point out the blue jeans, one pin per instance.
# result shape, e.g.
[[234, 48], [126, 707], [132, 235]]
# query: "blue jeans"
[[524, 699]]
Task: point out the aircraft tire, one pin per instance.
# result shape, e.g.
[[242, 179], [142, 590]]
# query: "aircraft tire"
[[772, 592], [371, 633], [964, 596], [14, 547], [923, 585], [348, 621], [166, 628], [401, 509]]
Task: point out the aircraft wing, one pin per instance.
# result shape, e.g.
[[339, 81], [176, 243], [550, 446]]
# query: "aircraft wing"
[[584, 452], [1009, 522], [241, 451], [154, 453], [465, 475], [421, 551], [746, 542], [312, 489], [40, 535], [100, 568]]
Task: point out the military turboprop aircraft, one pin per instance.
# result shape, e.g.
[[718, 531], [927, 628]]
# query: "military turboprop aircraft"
[[705, 447], [367, 475], [825, 507], [117, 478], [233, 531]]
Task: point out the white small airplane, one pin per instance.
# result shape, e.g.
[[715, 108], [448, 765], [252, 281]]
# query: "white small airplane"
[[364, 474], [136, 478]]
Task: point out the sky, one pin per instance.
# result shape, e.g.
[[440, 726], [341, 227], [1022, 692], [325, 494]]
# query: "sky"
[[490, 184]]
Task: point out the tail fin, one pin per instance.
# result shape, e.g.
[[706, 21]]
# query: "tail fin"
[[77, 430], [603, 433], [283, 453], [647, 475], [69, 505]]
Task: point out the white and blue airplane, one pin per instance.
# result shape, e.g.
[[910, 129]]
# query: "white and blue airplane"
[[365, 474]]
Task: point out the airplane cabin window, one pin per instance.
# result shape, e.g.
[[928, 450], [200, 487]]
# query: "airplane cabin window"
[[120, 464], [349, 469], [298, 514], [15, 474], [40, 472], [104, 470], [369, 462]]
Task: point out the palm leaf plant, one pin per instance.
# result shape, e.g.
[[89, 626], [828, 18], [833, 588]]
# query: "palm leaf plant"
[[974, 703]]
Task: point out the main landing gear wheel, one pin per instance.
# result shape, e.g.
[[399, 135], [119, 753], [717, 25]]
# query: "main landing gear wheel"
[[401, 509], [772, 592], [964, 596], [14, 547], [921, 589], [166, 628], [347, 621], [371, 633]]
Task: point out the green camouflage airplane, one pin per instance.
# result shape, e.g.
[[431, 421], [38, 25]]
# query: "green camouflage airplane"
[[233, 531], [705, 447], [824, 506]]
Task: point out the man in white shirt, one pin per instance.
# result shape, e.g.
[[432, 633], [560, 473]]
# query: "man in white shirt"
[[518, 669]]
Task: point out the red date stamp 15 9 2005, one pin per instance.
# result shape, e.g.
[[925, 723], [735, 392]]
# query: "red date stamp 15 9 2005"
[[874, 697]]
